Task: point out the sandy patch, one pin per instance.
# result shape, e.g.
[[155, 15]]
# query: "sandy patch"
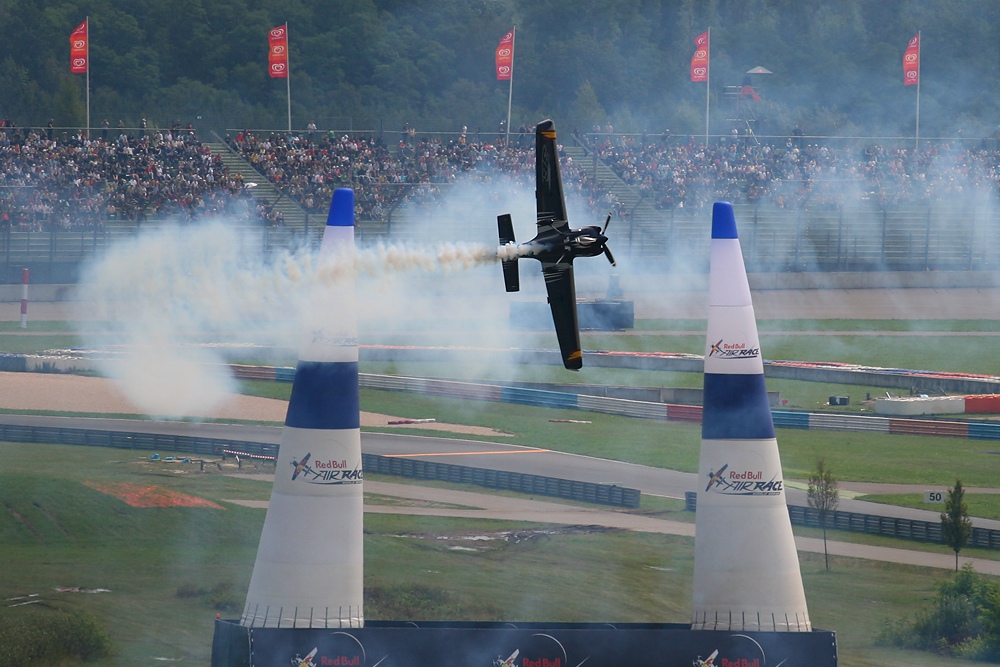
[[77, 393]]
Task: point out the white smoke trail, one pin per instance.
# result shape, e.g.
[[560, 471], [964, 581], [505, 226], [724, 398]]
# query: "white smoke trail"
[[169, 291]]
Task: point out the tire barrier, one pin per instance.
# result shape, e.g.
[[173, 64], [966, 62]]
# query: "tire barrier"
[[855, 522], [588, 492]]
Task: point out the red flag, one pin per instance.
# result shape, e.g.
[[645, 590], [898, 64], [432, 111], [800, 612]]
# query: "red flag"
[[277, 57], [911, 62], [78, 51], [505, 57], [699, 61]]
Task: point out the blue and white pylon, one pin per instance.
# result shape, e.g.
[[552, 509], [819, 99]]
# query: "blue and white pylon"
[[309, 567], [746, 570]]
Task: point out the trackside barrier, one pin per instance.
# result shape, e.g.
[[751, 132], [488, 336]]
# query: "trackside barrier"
[[616, 406], [785, 419], [989, 403], [984, 431], [673, 412], [824, 422], [854, 522], [929, 427], [601, 494]]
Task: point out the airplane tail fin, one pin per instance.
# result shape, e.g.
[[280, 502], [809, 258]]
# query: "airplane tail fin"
[[511, 278]]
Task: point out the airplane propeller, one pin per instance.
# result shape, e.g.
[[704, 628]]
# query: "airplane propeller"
[[607, 253], [607, 250]]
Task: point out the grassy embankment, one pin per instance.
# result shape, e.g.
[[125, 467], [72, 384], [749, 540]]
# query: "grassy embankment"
[[174, 567]]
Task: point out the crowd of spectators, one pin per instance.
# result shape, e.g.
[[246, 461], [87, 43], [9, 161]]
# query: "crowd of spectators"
[[65, 180], [416, 170], [670, 172], [796, 173]]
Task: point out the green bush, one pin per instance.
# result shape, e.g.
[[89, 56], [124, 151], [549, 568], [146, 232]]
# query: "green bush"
[[40, 635], [221, 596], [964, 621]]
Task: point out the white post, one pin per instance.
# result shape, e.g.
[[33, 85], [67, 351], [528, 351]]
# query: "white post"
[[24, 298]]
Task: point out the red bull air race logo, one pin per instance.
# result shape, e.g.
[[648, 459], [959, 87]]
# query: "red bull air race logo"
[[341, 650], [724, 350], [739, 482], [326, 472]]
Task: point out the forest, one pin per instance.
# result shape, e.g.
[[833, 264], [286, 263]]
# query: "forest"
[[373, 65]]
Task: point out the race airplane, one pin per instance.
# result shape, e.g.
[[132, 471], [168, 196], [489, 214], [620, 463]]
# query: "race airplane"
[[306, 661], [555, 246], [509, 662], [716, 477], [707, 663], [301, 465]]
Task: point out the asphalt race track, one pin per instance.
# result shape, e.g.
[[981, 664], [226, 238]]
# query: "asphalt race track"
[[537, 461]]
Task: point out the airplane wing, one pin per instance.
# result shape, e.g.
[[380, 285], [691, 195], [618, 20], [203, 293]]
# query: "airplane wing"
[[549, 200], [509, 662], [560, 285]]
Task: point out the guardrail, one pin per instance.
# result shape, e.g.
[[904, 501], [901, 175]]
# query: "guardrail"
[[601, 494], [872, 524]]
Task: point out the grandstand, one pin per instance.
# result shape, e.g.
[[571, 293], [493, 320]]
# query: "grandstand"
[[856, 207]]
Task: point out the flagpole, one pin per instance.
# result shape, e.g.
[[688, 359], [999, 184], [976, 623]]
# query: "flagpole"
[[288, 80], [510, 90], [916, 146], [88, 77], [708, 82]]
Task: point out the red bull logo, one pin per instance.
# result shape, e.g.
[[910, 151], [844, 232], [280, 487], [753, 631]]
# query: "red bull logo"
[[724, 350], [331, 465], [542, 662], [340, 661], [740, 662]]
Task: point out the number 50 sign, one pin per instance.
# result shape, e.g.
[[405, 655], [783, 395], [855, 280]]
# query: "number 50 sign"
[[933, 496]]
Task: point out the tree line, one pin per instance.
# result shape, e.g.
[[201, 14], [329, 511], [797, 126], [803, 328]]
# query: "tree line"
[[376, 64]]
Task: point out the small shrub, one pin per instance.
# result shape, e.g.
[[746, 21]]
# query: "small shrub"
[[46, 636], [962, 622], [220, 597]]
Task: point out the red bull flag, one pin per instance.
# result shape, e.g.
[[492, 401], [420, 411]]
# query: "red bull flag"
[[911, 62], [277, 56], [699, 61], [505, 57], [78, 50]]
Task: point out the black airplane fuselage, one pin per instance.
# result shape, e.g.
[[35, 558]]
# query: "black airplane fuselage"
[[555, 245]]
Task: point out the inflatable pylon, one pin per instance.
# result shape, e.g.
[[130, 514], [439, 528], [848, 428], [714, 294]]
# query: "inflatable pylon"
[[746, 572], [309, 567]]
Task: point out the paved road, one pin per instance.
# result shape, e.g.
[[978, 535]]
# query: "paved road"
[[507, 457], [503, 456]]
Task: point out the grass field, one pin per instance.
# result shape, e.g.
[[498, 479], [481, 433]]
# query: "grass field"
[[171, 569]]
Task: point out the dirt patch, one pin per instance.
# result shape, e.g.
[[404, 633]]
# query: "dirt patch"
[[143, 495]]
